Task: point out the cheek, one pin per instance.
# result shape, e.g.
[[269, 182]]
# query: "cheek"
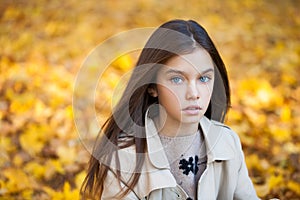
[[206, 92], [208, 88], [167, 96]]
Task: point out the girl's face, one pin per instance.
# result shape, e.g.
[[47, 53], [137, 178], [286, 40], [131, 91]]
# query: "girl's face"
[[184, 86]]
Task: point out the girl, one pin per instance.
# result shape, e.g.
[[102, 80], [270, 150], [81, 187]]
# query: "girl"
[[165, 138]]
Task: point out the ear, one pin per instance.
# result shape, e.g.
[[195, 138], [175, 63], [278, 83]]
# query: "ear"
[[152, 91]]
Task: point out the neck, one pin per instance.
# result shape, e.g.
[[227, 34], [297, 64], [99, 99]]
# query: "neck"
[[173, 128]]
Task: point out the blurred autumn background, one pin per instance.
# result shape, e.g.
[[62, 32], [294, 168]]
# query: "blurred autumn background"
[[44, 43]]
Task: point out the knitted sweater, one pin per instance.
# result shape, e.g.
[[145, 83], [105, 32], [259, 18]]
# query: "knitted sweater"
[[187, 158]]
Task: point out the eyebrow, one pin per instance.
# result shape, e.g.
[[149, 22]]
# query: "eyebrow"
[[170, 71]]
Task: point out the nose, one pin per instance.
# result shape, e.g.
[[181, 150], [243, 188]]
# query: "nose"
[[192, 92]]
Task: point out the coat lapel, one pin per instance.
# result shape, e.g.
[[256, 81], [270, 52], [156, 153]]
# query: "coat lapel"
[[219, 144], [154, 146]]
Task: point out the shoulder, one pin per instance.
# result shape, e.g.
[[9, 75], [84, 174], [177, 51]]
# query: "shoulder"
[[232, 139], [147, 181], [219, 124], [221, 141], [227, 131], [120, 159]]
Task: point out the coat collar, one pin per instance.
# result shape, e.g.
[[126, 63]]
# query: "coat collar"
[[218, 141]]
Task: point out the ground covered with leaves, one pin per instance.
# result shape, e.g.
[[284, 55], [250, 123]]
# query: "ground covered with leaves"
[[43, 44]]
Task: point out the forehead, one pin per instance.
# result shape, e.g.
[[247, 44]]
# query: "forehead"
[[196, 62]]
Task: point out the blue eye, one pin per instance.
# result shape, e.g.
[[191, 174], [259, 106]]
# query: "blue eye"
[[176, 80], [204, 79]]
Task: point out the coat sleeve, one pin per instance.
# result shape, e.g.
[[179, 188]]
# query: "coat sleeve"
[[113, 187], [244, 188]]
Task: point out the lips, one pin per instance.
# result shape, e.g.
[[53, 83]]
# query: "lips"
[[192, 110]]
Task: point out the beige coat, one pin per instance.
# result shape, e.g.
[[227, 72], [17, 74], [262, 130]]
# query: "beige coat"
[[225, 177]]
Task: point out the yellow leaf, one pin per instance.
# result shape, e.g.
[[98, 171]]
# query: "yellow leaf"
[[289, 79], [253, 162], [290, 147], [294, 186], [66, 154], [112, 80], [79, 178], [18, 160], [69, 112], [25, 40], [66, 194], [259, 94], [6, 144], [52, 166], [22, 103], [285, 114], [39, 109], [27, 194], [17, 180], [124, 62], [70, 194], [33, 139], [275, 181], [11, 13], [235, 115], [35, 169], [280, 133]]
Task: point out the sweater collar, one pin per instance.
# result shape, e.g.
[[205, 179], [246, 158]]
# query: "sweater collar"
[[219, 144]]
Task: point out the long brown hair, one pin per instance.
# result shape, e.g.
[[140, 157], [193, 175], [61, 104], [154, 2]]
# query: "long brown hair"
[[176, 37]]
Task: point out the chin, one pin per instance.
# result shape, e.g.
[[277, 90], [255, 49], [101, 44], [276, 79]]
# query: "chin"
[[192, 120]]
